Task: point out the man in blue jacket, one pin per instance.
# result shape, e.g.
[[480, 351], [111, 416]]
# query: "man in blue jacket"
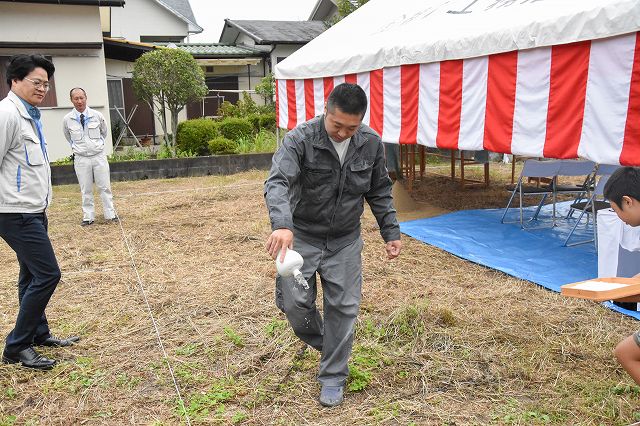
[[315, 192], [25, 193]]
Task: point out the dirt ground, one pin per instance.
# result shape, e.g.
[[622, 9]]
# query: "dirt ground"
[[439, 341]]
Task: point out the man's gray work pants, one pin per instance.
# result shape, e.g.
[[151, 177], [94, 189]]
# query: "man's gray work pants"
[[341, 279]]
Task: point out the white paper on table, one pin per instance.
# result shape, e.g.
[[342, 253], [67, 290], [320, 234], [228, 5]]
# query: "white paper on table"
[[598, 286]]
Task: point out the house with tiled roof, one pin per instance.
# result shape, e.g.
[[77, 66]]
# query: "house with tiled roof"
[[229, 70], [279, 38], [69, 33], [139, 27]]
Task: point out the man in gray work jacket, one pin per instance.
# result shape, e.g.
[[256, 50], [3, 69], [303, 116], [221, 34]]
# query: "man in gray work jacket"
[[315, 194], [25, 193], [86, 129]]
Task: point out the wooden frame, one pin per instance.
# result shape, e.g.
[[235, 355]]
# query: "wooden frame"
[[408, 163], [629, 291]]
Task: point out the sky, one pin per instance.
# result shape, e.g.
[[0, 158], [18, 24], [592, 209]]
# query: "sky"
[[210, 14]]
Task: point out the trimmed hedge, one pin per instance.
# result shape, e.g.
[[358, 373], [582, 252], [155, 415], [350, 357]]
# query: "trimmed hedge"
[[235, 128], [194, 135], [222, 145], [268, 122]]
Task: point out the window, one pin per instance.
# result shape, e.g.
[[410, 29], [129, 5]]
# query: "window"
[[49, 101], [116, 105]]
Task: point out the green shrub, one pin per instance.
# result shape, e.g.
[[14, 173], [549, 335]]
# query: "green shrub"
[[227, 109], [254, 119], [235, 128], [264, 141], [194, 135], [222, 145], [268, 122]]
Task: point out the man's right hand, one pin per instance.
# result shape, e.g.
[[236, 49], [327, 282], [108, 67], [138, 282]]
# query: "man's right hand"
[[278, 242]]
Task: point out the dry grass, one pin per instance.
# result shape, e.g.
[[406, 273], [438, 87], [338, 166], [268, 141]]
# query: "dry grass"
[[440, 341]]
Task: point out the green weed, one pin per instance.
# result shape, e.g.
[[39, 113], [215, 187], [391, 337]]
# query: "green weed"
[[201, 405], [188, 349], [8, 420], [274, 327], [10, 393], [358, 379], [238, 417], [234, 337]]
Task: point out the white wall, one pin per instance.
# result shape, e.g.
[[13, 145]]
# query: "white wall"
[[48, 23], [68, 77], [283, 51], [145, 18], [119, 69], [74, 67]]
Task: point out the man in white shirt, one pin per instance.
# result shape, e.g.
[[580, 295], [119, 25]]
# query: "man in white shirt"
[[25, 194], [86, 129]]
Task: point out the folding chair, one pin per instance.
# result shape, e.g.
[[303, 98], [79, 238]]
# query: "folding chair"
[[534, 169], [572, 168], [590, 207]]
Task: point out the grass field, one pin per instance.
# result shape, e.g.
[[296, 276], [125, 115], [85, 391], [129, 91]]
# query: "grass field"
[[439, 341]]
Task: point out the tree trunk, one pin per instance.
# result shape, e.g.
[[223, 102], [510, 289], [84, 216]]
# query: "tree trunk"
[[174, 130]]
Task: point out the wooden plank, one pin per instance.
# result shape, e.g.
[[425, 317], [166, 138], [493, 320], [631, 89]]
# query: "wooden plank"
[[601, 289]]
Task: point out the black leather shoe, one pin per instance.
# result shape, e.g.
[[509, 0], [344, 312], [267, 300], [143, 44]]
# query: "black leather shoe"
[[58, 342], [86, 223], [29, 358]]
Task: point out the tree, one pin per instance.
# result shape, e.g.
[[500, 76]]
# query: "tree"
[[168, 79], [345, 7], [267, 88]]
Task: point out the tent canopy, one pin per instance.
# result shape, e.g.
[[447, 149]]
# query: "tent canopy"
[[387, 33], [539, 78]]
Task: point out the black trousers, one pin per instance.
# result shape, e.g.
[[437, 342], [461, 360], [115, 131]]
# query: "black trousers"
[[26, 234]]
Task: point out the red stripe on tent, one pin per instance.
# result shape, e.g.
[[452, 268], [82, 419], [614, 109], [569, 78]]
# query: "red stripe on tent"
[[277, 103], [351, 78], [501, 101], [309, 102], [450, 104], [328, 87], [409, 91], [291, 103], [376, 101], [567, 94], [630, 155]]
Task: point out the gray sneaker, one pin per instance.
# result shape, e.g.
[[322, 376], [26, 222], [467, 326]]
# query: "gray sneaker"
[[331, 396]]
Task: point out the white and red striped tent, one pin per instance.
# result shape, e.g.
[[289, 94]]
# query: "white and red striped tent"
[[540, 78]]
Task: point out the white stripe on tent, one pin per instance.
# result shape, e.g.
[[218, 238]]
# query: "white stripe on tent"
[[474, 103], [300, 102], [532, 102], [429, 104], [607, 101], [339, 79], [392, 105], [283, 106], [363, 81], [318, 96]]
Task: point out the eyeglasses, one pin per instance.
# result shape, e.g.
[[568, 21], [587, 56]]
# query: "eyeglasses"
[[43, 85]]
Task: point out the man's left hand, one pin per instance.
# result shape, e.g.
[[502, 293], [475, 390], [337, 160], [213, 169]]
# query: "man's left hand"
[[393, 249]]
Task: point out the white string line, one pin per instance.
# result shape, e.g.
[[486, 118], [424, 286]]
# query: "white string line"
[[206, 188], [155, 325]]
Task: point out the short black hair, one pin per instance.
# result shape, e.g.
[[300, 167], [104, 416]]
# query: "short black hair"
[[348, 98], [623, 182], [77, 88], [21, 65]]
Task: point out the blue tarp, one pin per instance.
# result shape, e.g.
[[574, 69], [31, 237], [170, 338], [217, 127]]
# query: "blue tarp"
[[536, 255]]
